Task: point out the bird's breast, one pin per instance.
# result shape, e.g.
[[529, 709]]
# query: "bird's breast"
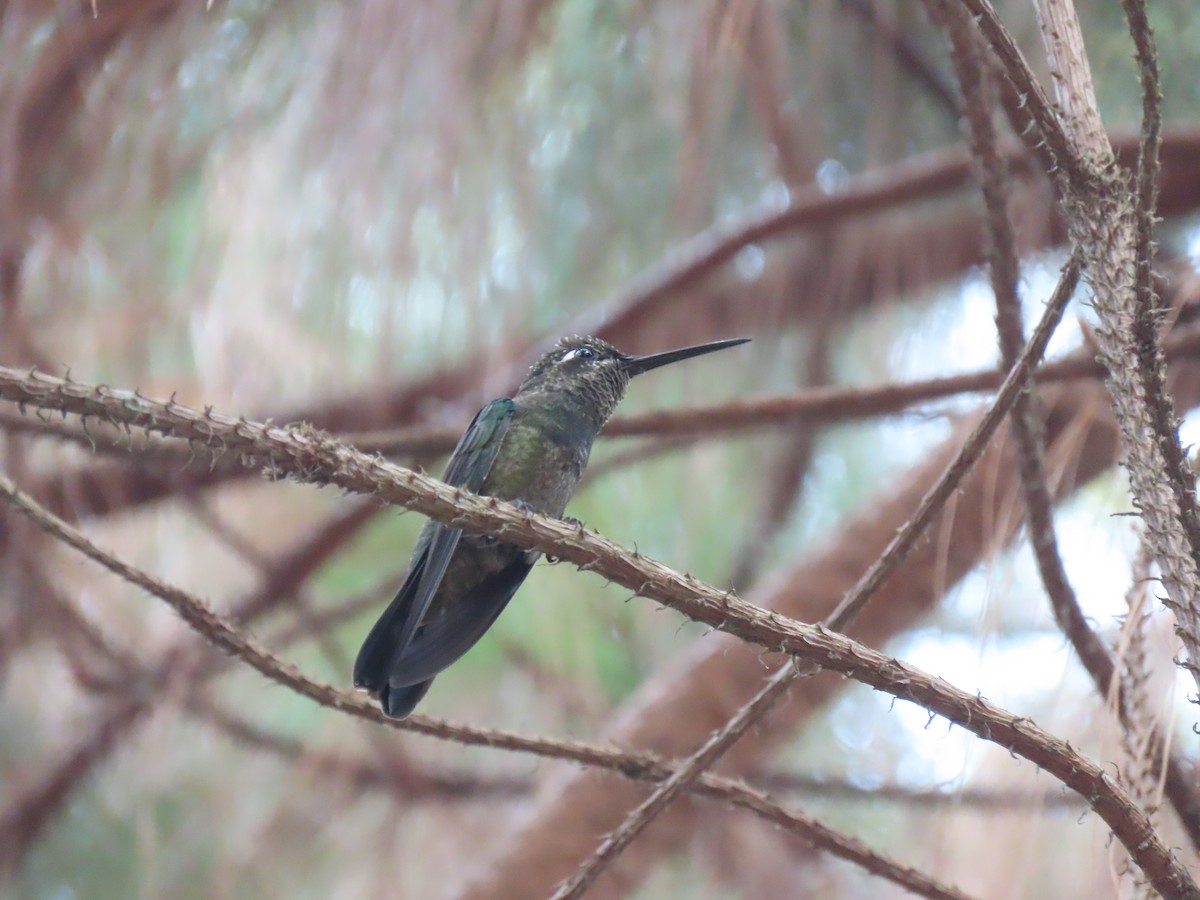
[[538, 463]]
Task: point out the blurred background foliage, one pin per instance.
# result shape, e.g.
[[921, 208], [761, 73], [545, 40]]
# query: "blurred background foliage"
[[274, 207]]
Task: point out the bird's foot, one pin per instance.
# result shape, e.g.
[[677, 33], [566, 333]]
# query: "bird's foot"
[[490, 540], [530, 555], [570, 520]]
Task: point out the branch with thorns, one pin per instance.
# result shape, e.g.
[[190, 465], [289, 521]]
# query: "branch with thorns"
[[217, 630], [846, 611], [826, 649], [969, 64], [1112, 222], [311, 456]]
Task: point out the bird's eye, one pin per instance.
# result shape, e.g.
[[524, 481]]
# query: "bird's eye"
[[579, 353]]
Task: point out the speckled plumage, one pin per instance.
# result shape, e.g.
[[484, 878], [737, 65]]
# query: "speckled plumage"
[[530, 449]]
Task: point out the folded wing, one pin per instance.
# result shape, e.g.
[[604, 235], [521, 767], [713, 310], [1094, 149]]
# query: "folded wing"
[[392, 635]]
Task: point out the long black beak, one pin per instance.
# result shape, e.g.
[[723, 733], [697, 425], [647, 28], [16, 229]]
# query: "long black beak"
[[636, 365]]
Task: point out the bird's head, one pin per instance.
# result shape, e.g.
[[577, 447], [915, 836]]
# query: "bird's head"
[[597, 374]]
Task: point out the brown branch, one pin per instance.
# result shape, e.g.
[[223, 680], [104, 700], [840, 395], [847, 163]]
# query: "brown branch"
[[679, 781], [1106, 222], [1003, 272], [1149, 160], [218, 631], [361, 774], [464, 786], [843, 789], [1014, 384], [810, 643], [1064, 152], [846, 611], [812, 406], [1077, 113], [1003, 268], [1147, 309], [1141, 734], [262, 563]]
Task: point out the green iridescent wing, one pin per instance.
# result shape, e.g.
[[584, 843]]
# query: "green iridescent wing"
[[469, 465]]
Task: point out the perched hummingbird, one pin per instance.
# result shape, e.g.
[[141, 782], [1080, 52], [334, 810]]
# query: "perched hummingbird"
[[530, 449]]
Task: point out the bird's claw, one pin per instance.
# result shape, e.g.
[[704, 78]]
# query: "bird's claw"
[[570, 520], [490, 540]]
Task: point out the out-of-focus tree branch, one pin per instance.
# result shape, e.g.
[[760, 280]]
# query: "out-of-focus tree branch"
[[30, 812]]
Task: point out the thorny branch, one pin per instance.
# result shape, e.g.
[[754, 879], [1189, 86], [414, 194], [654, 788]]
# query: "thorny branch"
[[1063, 152], [972, 75], [1108, 219], [813, 643], [217, 630], [1141, 736], [1147, 309], [317, 458], [1112, 223], [847, 610], [466, 786]]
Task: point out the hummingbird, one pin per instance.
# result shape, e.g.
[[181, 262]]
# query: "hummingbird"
[[529, 449]]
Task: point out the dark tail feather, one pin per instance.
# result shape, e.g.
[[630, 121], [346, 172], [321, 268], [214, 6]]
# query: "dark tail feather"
[[373, 665], [398, 702], [370, 668]]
